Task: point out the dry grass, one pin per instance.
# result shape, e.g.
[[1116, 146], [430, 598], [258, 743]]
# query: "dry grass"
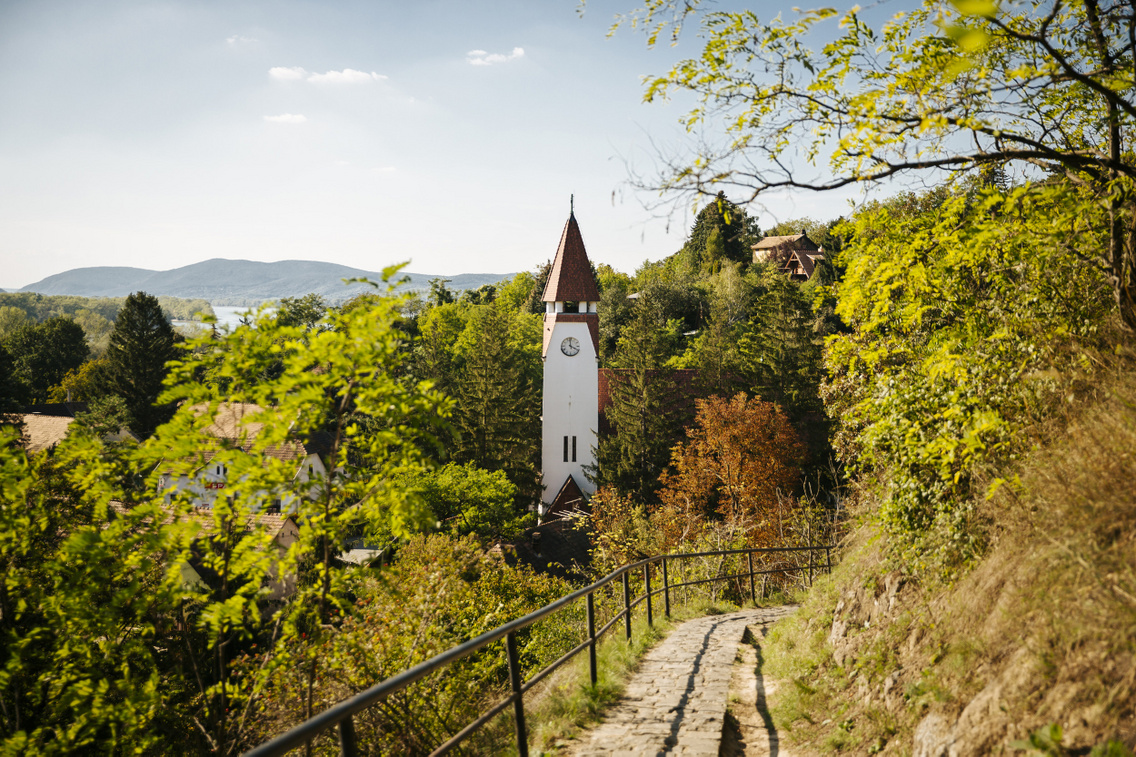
[[1041, 630]]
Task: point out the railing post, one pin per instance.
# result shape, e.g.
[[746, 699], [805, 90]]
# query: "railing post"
[[666, 590], [647, 593], [592, 636], [515, 685], [626, 606], [828, 558], [752, 588], [347, 746], [810, 566]]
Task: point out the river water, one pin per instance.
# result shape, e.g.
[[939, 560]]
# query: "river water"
[[226, 316]]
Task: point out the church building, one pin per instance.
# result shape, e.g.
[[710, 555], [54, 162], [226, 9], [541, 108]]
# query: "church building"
[[571, 375]]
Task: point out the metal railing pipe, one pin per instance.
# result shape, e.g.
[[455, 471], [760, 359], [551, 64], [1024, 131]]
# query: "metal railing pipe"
[[340, 715], [647, 591], [752, 589], [592, 638], [626, 606], [518, 701]]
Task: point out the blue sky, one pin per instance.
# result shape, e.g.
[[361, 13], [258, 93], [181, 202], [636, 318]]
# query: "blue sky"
[[447, 133]]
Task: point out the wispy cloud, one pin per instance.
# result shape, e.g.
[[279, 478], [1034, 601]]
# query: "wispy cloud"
[[240, 39], [287, 118], [346, 76], [483, 58]]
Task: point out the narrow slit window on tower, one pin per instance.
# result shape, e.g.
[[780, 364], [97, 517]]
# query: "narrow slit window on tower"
[[573, 449], [565, 449]]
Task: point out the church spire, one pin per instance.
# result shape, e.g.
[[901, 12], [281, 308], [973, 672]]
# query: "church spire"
[[570, 279]]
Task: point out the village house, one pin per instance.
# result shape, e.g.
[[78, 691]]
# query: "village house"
[[42, 427], [795, 255], [233, 428]]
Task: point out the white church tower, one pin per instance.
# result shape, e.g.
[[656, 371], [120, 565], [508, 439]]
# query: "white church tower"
[[571, 373]]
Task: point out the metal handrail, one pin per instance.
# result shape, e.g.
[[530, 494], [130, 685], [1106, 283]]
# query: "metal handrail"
[[341, 715]]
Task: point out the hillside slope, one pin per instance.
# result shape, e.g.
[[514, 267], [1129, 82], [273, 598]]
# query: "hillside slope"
[[236, 282], [1034, 645]]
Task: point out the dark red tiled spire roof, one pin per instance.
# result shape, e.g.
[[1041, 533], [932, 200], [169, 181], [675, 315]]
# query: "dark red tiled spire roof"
[[571, 277]]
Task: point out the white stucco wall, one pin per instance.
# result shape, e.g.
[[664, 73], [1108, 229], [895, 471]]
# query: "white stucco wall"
[[570, 405]]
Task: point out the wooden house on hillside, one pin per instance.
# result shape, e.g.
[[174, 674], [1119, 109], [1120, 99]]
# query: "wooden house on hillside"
[[796, 255], [801, 265]]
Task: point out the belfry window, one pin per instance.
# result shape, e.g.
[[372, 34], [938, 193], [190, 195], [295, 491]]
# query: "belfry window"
[[571, 307], [573, 449], [565, 449]]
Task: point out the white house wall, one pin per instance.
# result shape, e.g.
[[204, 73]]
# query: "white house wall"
[[204, 494]]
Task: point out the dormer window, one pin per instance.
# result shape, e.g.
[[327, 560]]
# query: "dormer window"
[[571, 307]]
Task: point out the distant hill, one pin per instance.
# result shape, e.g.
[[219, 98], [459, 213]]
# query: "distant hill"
[[237, 282]]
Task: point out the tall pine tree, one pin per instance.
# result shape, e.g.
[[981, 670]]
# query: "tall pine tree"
[[498, 400], [140, 346], [645, 414]]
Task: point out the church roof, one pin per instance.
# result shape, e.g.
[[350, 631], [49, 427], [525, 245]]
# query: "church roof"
[[570, 279]]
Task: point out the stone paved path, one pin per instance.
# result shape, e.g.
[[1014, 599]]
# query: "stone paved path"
[[676, 703]]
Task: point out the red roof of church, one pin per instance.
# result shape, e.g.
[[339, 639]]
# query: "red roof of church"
[[571, 277]]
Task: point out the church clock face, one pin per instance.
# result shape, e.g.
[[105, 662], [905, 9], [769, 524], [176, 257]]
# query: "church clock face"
[[570, 346]]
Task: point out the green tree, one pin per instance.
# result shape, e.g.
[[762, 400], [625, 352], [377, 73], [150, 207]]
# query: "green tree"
[[330, 379], [950, 86], [141, 345], [85, 609], [498, 396], [8, 392], [440, 294], [306, 311], [82, 384], [614, 308], [714, 353], [779, 353], [962, 329], [42, 354], [722, 231], [467, 500], [483, 295], [11, 318], [646, 412], [96, 327], [105, 415], [517, 293], [815, 229], [434, 355]]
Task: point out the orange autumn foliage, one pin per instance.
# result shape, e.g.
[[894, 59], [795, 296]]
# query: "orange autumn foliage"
[[740, 455]]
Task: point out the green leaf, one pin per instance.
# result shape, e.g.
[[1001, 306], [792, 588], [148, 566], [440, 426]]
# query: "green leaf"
[[983, 8]]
